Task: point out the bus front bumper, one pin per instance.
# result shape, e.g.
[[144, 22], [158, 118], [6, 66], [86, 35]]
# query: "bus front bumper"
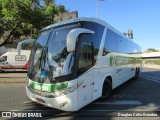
[[64, 102]]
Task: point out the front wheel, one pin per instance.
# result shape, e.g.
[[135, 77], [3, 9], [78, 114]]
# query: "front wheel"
[[107, 89]]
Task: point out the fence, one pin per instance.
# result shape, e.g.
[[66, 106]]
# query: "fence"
[[151, 63]]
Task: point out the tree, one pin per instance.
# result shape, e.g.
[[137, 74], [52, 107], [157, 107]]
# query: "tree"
[[152, 50], [24, 18]]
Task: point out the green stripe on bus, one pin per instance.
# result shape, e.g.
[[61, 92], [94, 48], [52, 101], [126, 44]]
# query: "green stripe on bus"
[[48, 87], [111, 60], [122, 60]]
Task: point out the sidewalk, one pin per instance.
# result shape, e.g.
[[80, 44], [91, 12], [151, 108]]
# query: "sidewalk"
[[13, 77], [151, 66]]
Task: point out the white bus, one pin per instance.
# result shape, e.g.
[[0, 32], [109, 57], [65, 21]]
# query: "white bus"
[[77, 61]]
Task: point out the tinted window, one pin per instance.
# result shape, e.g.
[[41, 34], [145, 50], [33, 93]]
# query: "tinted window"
[[134, 48], [110, 42], [3, 59], [116, 43], [94, 38], [124, 45], [86, 55], [139, 49], [129, 48]]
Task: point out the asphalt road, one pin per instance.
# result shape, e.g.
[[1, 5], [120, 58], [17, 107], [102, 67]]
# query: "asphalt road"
[[135, 96]]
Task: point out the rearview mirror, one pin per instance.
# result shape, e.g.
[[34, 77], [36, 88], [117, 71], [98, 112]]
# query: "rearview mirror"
[[22, 42], [72, 37]]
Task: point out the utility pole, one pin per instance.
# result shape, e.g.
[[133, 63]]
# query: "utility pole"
[[97, 7]]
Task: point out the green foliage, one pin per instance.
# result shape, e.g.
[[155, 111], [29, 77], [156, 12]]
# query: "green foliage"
[[24, 18], [158, 62], [152, 50]]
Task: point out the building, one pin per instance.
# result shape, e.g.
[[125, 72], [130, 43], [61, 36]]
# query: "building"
[[151, 55]]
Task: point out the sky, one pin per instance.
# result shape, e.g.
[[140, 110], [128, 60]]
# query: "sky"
[[142, 16]]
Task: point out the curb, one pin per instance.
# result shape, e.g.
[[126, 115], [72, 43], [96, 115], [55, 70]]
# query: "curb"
[[10, 82]]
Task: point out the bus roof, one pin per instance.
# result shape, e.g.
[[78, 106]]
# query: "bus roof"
[[74, 20], [90, 19]]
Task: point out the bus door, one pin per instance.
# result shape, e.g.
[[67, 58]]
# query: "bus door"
[[96, 82], [85, 91]]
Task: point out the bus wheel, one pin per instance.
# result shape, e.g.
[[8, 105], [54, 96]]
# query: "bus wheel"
[[136, 74], [107, 89]]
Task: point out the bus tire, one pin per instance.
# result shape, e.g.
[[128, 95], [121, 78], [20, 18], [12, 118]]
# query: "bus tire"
[[107, 89], [136, 74]]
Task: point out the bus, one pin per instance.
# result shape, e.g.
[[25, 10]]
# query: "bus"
[[77, 61]]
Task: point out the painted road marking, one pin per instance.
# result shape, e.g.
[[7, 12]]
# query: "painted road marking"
[[157, 76], [27, 102], [120, 103], [151, 78]]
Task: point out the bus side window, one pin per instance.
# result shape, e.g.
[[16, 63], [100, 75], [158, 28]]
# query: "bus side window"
[[86, 57], [3, 59], [110, 42]]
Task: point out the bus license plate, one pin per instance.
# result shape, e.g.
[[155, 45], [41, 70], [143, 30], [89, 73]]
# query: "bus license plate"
[[40, 100]]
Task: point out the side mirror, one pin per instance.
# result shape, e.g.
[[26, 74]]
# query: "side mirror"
[[22, 42], [72, 37]]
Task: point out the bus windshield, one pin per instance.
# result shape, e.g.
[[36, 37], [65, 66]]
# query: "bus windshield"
[[50, 58]]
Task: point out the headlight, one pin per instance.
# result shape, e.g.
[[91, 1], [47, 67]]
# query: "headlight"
[[68, 90]]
